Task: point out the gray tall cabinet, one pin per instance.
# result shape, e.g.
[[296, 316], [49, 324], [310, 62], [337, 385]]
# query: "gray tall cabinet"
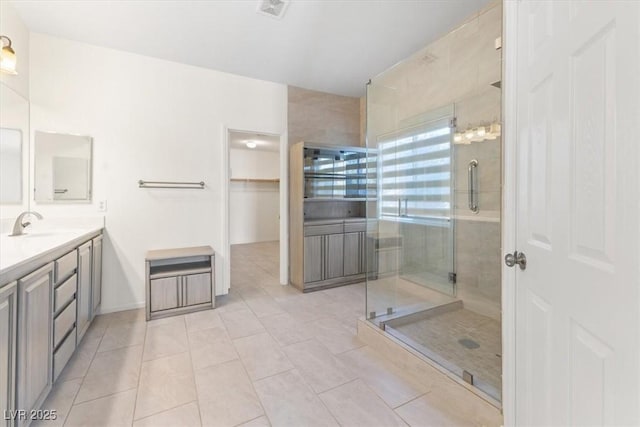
[[328, 191]]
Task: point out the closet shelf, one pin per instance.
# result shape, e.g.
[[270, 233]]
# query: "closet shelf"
[[254, 180]]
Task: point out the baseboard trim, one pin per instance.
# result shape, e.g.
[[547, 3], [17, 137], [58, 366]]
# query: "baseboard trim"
[[125, 307]]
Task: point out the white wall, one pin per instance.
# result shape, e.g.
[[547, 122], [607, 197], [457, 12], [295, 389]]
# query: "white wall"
[[254, 207], [14, 108], [12, 26], [257, 164], [154, 120]]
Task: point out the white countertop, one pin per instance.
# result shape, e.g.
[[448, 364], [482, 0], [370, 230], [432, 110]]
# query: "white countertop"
[[39, 241]]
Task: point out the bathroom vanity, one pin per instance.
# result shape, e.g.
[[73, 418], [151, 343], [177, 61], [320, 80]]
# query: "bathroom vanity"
[[327, 208], [50, 291]]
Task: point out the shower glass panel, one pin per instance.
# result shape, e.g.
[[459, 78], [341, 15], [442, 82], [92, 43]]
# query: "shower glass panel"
[[433, 236]]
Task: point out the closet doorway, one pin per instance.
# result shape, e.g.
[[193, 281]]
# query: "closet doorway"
[[254, 224]]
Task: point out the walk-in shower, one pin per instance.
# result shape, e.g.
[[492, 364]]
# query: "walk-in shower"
[[433, 239]]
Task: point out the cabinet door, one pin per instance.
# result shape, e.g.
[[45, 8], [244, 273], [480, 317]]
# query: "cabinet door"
[[313, 262], [8, 331], [35, 326], [84, 289], [165, 293], [334, 256], [196, 289], [352, 253], [96, 282]]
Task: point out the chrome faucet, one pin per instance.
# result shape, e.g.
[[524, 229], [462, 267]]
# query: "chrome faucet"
[[19, 226]]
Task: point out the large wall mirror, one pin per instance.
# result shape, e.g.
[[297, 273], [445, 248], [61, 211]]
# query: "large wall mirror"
[[62, 168], [14, 126]]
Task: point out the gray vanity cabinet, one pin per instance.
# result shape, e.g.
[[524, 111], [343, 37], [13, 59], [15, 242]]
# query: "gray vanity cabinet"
[[35, 329], [8, 333], [84, 301], [96, 279]]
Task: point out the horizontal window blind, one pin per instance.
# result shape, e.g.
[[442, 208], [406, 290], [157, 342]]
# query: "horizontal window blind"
[[414, 172]]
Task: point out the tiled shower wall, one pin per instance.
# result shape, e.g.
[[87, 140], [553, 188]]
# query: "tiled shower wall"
[[457, 69], [323, 118]]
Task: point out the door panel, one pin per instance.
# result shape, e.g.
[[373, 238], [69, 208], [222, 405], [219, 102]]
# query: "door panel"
[[164, 293], [313, 261], [197, 289], [84, 289], [577, 213], [96, 282], [352, 255], [8, 331], [35, 332], [334, 255]]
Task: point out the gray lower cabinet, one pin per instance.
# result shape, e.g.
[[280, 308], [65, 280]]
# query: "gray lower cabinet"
[[35, 331], [354, 256], [197, 289], [323, 257], [179, 281], [165, 295], [96, 279], [334, 254], [313, 258], [84, 301], [8, 342]]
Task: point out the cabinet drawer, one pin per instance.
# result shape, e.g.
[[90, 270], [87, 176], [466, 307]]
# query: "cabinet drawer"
[[353, 227], [63, 354], [317, 230], [65, 265], [63, 323], [65, 292]]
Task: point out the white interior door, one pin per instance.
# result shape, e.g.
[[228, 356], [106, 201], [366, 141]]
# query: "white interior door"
[[577, 323]]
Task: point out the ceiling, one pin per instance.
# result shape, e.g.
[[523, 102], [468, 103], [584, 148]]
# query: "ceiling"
[[331, 46], [263, 142]]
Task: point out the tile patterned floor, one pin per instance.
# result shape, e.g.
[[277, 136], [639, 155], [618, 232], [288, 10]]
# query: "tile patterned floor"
[[267, 355], [442, 333]]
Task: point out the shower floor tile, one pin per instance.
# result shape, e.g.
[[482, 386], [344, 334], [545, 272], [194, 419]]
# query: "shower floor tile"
[[468, 340]]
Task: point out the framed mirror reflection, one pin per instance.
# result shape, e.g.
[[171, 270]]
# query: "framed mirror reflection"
[[62, 168]]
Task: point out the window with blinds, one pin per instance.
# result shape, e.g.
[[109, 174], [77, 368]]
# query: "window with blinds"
[[415, 173]]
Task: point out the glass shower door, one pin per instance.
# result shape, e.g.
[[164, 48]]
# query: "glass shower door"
[[410, 223]]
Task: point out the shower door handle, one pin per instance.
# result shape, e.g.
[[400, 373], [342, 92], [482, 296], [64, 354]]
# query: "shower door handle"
[[472, 175], [516, 258]]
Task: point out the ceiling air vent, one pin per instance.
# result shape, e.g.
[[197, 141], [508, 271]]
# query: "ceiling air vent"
[[273, 8]]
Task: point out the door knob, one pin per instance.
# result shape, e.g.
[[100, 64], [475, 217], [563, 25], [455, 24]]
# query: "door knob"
[[516, 258]]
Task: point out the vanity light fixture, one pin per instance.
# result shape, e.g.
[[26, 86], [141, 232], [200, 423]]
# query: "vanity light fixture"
[[477, 134], [7, 57], [251, 144]]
